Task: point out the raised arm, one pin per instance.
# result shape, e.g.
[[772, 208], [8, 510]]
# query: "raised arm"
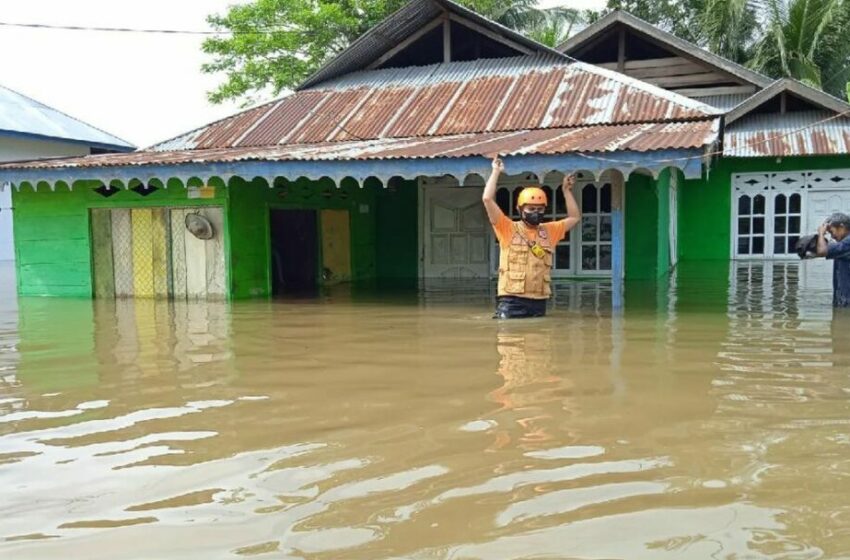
[[494, 213], [573, 211], [823, 244]]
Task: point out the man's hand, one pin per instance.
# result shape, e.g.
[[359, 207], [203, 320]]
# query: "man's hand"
[[823, 245], [488, 197], [569, 182], [498, 165]]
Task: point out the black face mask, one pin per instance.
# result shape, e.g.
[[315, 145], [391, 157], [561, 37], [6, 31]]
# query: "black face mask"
[[532, 218]]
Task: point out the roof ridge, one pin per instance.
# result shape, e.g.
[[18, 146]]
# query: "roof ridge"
[[43, 105]]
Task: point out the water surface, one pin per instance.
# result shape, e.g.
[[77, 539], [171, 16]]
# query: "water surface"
[[708, 420]]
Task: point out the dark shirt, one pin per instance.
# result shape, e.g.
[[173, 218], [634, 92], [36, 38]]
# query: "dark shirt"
[[840, 253]]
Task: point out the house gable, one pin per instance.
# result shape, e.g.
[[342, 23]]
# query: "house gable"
[[788, 96], [627, 44], [425, 32], [447, 40]]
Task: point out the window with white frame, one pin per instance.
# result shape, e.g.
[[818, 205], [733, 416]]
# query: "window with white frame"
[[768, 212], [596, 230]]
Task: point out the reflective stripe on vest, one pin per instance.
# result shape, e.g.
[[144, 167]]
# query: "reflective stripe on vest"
[[521, 273]]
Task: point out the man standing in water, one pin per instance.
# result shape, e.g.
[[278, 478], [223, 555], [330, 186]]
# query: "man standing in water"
[[838, 226], [526, 246]]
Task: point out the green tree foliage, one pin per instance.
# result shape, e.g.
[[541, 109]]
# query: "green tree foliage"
[[273, 45], [727, 28], [806, 40], [679, 17]]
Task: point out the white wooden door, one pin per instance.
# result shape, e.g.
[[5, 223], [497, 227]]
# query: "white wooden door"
[[455, 232]]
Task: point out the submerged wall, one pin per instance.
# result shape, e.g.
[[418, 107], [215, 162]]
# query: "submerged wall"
[[705, 205], [53, 238], [382, 226], [53, 233]]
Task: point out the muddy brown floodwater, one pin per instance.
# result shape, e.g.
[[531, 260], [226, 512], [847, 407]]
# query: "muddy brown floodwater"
[[710, 419]]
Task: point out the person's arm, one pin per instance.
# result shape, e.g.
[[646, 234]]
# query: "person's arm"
[[494, 213], [823, 245], [573, 211]]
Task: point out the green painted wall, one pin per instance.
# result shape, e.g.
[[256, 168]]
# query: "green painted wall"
[[641, 225], [705, 205], [53, 246], [397, 244], [383, 227], [51, 229], [251, 204]]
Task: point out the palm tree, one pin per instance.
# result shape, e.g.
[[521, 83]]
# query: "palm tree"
[[550, 26], [557, 26], [802, 39], [728, 26]]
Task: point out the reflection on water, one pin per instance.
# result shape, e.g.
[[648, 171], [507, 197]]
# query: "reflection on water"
[[709, 419]]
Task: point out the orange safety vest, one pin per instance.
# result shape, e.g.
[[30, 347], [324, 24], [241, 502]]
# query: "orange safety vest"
[[521, 273]]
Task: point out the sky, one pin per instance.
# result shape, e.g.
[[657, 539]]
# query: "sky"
[[140, 87]]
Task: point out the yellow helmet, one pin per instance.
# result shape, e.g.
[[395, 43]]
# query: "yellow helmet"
[[531, 195]]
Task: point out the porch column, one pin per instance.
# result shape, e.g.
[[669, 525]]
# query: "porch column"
[[617, 250], [662, 189]]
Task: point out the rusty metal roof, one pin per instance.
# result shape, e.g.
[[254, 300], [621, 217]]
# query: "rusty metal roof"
[[793, 134], [590, 139], [493, 95]]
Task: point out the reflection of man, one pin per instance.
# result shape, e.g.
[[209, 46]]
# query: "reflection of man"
[[531, 386], [526, 246], [838, 226]]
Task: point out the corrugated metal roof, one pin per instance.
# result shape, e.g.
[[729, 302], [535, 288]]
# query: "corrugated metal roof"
[[630, 137], [494, 95], [23, 115], [792, 134]]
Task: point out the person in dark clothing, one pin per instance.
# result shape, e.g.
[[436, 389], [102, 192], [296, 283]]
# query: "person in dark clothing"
[[838, 227]]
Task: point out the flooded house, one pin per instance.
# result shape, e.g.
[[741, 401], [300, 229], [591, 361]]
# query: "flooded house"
[[31, 130], [372, 171], [783, 165]]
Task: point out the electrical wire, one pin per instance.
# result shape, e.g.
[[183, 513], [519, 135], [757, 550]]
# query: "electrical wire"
[[143, 30]]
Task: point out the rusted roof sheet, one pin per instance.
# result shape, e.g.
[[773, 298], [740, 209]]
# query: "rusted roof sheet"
[[590, 139], [806, 133], [494, 95]]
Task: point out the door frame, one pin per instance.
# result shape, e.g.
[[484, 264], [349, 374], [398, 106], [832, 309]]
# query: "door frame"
[[423, 217], [285, 207]]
